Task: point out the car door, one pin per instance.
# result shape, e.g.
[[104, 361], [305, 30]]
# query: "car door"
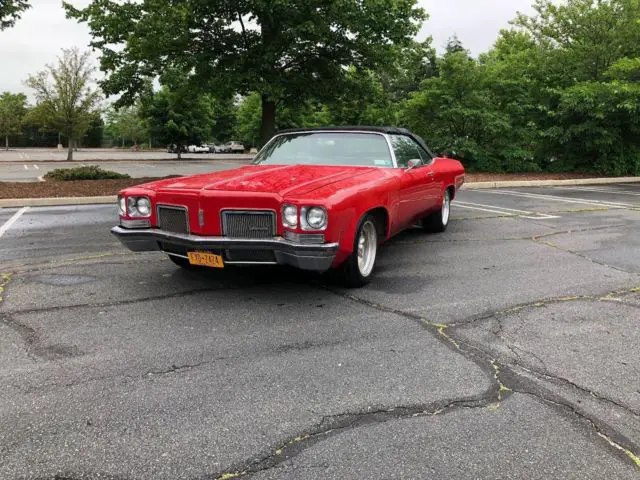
[[415, 190]]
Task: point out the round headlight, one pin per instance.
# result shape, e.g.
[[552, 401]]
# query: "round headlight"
[[144, 206], [316, 218], [132, 210], [290, 216], [122, 206]]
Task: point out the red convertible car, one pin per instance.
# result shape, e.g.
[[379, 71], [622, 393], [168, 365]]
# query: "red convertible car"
[[316, 199]]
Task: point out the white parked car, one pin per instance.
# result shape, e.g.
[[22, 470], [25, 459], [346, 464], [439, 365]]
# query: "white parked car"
[[217, 148], [198, 149], [234, 147]]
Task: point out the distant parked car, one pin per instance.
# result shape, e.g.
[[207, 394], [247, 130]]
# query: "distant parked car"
[[217, 148], [198, 149], [234, 147]]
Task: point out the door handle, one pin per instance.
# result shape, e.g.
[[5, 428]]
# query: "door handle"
[[431, 174]]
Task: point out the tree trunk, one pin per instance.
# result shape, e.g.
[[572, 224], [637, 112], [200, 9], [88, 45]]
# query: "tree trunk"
[[6, 142], [70, 151], [268, 124]]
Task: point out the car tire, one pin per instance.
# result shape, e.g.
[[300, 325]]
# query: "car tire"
[[182, 262], [357, 270], [438, 221]]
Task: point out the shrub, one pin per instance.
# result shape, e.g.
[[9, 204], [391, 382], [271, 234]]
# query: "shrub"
[[92, 172]]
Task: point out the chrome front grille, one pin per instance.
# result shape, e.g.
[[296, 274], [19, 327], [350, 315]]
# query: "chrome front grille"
[[173, 219], [248, 223]]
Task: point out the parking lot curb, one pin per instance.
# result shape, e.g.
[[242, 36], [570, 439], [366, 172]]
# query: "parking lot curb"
[[57, 201], [549, 183]]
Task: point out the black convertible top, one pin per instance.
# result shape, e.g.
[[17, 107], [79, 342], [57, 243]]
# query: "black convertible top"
[[362, 128]]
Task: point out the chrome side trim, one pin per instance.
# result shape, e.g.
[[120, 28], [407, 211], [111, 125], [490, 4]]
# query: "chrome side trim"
[[175, 254], [231, 262], [304, 238], [135, 223], [317, 258]]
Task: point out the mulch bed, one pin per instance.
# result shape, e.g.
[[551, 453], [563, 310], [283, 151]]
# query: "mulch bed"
[[96, 188], [76, 188]]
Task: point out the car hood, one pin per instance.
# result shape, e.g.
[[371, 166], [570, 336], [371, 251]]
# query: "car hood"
[[283, 180]]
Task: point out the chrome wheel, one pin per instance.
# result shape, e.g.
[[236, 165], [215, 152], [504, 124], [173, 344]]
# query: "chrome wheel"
[[367, 248], [446, 207]]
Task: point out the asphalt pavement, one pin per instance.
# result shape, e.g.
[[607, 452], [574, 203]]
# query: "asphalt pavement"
[[506, 347], [32, 171]]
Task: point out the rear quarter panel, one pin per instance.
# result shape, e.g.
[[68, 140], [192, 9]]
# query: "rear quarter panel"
[[451, 172]]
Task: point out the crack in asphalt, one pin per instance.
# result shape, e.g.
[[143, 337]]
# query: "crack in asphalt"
[[480, 356], [335, 424], [31, 341], [609, 296], [558, 379], [180, 368], [502, 388], [5, 278], [585, 257], [609, 434], [331, 425], [535, 238], [500, 316], [130, 301], [538, 239]]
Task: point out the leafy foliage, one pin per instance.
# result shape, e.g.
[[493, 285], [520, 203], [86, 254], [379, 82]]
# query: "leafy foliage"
[[283, 50], [66, 99], [175, 116], [10, 12], [13, 108], [126, 124], [558, 92], [91, 172]]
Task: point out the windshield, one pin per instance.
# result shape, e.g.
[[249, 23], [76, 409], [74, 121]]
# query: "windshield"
[[327, 148]]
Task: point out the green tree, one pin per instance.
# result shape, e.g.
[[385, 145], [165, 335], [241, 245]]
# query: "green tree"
[[224, 111], [13, 108], [247, 127], [454, 45], [126, 124], [455, 114], [583, 101], [10, 12], [364, 101], [65, 98], [584, 37], [283, 50], [93, 137], [175, 116], [414, 63]]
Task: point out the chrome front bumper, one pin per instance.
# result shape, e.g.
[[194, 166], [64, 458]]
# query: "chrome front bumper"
[[306, 257]]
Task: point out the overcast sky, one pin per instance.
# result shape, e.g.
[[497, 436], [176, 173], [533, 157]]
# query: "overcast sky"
[[43, 30]]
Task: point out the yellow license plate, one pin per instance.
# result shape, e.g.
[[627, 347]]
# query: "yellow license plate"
[[205, 259]]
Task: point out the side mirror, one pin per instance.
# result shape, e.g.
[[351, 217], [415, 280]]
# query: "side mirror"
[[413, 163]]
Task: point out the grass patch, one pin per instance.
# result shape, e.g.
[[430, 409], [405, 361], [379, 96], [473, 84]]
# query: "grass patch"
[[92, 172]]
